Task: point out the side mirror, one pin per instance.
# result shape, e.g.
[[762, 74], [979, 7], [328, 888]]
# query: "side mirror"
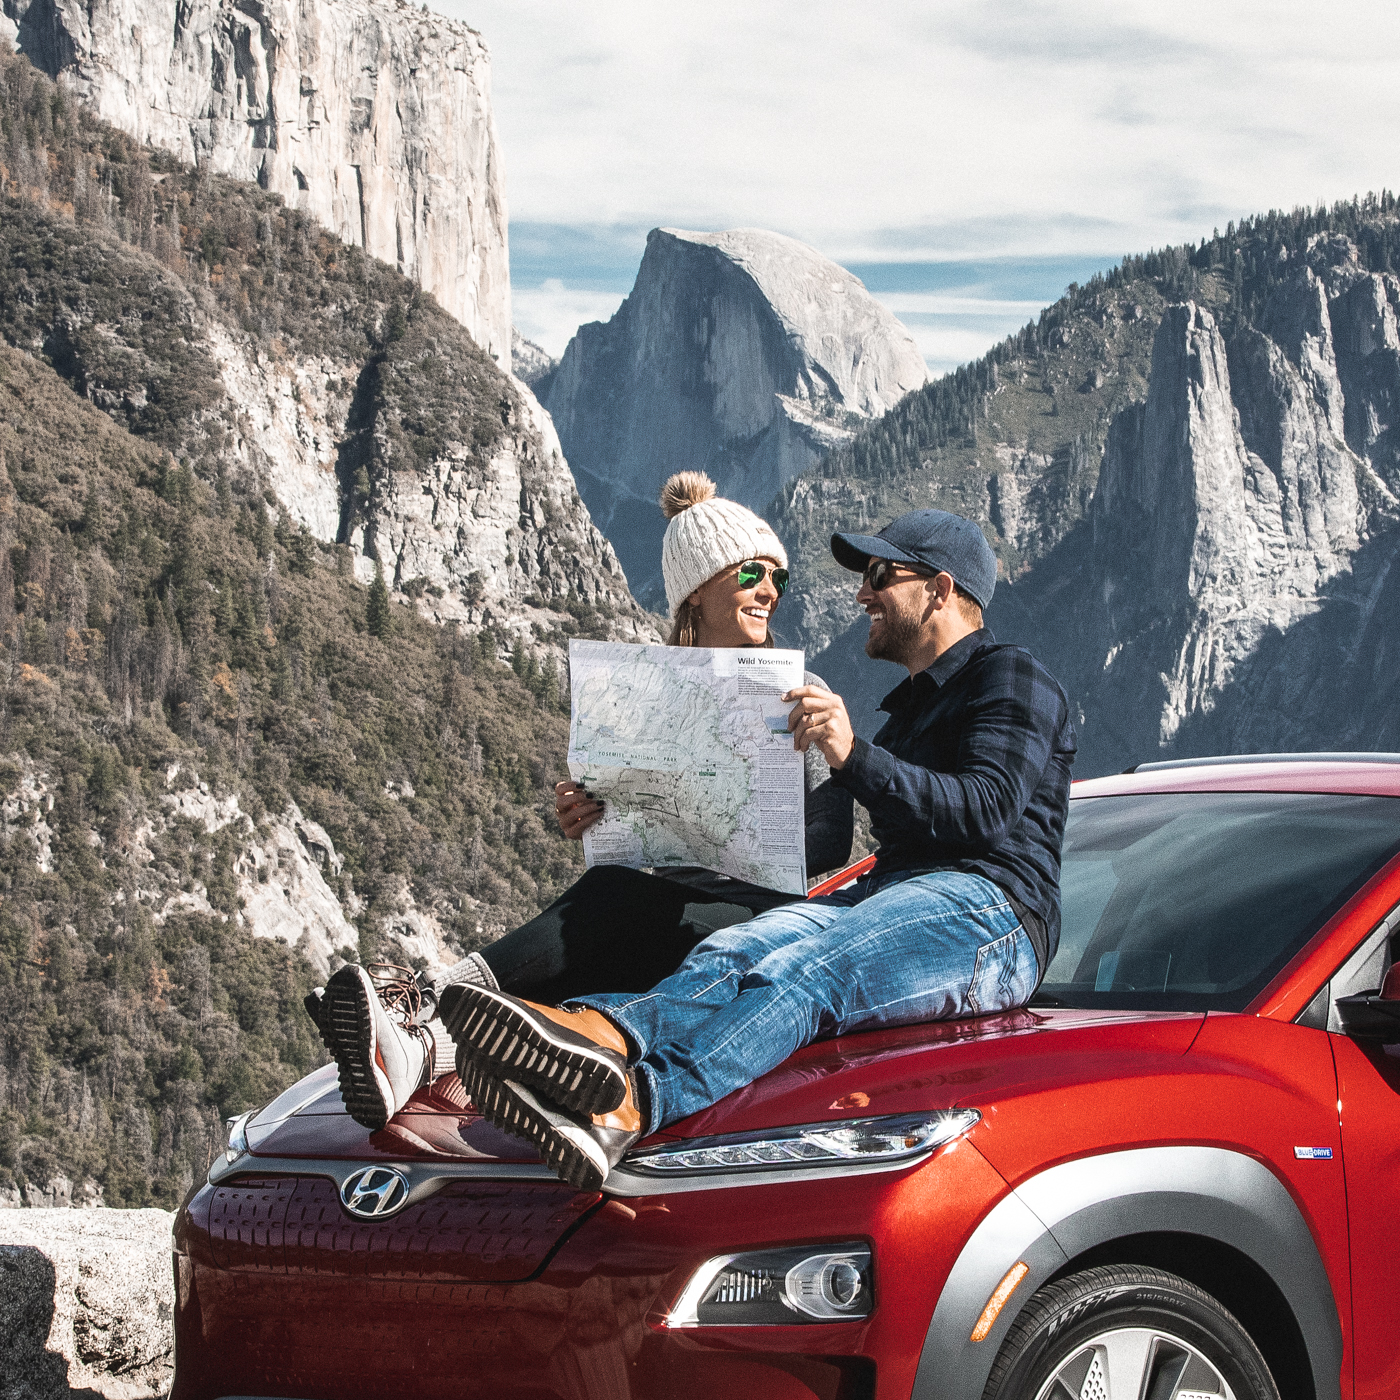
[[1373, 1015]]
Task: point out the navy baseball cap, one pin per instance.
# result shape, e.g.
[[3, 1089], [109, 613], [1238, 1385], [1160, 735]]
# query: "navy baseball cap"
[[936, 538]]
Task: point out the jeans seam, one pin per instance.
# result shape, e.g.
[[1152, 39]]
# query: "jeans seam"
[[1003, 973], [733, 972]]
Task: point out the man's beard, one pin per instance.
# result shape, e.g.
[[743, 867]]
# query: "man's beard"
[[897, 639]]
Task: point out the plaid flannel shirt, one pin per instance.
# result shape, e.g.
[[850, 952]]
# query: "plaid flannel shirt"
[[971, 772]]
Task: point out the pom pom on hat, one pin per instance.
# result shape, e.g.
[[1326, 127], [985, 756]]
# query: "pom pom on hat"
[[684, 490], [707, 535]]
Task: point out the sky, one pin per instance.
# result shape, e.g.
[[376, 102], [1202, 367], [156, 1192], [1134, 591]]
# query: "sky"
[[967, 159]]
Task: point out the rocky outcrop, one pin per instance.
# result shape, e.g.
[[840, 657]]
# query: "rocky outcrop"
[[496, 540], [745, 354], [1240, 536], [529, 362], [1208, 571], [303, 368], [86, 1303], [374, 117], [288, 875]]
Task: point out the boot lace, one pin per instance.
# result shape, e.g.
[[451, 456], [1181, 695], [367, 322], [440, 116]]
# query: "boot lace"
[[401, 995]]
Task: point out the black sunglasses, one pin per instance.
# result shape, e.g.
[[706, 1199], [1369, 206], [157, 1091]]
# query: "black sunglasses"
[[877, 572], [752, 572]]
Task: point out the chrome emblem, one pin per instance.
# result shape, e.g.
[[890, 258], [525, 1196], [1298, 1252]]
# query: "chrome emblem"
[[375, 1192]]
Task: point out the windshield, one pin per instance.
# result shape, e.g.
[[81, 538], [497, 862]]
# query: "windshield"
[[1193, 901]]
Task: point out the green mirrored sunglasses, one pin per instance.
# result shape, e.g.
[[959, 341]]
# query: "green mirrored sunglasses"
[[753, 571]]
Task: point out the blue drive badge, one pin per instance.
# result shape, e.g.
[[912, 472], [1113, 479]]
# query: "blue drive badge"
[[1313, 1154]]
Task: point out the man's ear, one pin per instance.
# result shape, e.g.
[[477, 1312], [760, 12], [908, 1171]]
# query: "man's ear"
[[942, 589]]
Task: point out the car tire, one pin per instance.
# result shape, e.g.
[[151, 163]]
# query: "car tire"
[[1125, 1331]]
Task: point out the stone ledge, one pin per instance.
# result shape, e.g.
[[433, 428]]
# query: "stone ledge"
[[86, 1302]]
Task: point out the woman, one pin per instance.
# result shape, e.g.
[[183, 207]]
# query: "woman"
[[615, 929]]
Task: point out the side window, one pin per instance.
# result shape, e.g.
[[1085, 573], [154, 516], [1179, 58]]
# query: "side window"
[[1363, 971]]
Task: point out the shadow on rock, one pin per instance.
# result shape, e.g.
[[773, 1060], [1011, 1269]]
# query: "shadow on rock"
[[28, 1369]]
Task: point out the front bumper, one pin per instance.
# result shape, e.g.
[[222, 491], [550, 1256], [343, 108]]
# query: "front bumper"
[[275, 1312]]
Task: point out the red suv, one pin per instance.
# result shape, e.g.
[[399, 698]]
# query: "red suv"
[[1175, 1175]]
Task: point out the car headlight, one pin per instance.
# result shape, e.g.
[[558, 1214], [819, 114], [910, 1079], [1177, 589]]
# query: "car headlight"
[[876, 1140], [778, 1287], [238, 1135]]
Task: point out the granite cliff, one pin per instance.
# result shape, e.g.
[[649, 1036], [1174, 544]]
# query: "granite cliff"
[[1229, 590], [1189, 471], [746, 354], [372, 117], [205, 314]]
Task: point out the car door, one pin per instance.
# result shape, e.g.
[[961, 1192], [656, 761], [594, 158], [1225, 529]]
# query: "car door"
[[1368, 1092]]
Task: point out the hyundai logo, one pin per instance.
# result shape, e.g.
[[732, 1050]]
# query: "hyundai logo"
[[374, 1192]]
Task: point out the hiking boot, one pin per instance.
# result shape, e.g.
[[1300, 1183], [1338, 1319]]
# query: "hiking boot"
[[577, 1059], [371, 1022], [581, 1150]]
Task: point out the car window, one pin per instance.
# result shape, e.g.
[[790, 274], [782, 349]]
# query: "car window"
[[1193, 901]]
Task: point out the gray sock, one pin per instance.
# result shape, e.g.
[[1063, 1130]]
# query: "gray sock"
[[474, 969], [444, 1051]]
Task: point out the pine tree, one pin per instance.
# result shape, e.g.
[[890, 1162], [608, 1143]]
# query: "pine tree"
[[263, 536], [378, 619]]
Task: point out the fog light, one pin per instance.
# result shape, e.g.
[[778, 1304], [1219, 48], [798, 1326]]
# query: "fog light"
[[778, 1287]]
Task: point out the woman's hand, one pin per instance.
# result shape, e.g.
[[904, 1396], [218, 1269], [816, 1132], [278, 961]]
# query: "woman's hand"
[[820, 718], [575, 808]]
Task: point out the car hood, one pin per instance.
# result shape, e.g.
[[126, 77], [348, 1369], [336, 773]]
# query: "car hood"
[[310, 1121], [941, 1064]]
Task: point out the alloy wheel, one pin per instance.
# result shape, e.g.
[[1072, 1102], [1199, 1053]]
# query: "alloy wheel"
[[1135, 1363]]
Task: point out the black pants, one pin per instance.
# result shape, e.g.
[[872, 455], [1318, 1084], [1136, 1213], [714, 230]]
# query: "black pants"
[[620, 930]]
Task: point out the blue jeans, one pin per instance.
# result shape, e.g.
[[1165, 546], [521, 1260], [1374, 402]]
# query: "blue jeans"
[[882, 953]]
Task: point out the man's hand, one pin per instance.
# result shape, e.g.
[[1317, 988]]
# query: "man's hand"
[[820, 718], [576, 809]]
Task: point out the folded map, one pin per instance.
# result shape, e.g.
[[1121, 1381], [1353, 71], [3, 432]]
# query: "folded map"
[[689, 751]]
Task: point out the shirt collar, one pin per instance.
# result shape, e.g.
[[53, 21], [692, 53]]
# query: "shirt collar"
[[943, 669]]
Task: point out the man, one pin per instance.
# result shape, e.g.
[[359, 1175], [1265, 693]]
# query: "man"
[[967, 785]]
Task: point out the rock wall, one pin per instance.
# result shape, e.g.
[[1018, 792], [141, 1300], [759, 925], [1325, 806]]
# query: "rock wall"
[[745, 354], [1207, 570], [374, 117], [1240, 536], [86, 1304]]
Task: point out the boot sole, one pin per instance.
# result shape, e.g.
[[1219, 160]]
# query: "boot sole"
[[513, 1113], [490, 1030], [347, 1027]]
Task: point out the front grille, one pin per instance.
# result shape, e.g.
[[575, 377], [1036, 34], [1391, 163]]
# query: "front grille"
[[479, 1232]]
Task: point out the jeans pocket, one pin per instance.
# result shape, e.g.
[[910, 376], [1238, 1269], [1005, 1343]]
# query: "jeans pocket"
[[998, 983]]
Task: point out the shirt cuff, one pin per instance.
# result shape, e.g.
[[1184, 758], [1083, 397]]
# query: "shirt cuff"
[[867, 772]]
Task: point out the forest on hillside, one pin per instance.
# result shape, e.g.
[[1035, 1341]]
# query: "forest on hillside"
[[163, 622]]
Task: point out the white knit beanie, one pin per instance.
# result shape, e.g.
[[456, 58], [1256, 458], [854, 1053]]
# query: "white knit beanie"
[[706, 535]]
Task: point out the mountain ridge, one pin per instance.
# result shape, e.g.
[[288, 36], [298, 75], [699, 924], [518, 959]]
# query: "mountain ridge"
[[1020, 440]]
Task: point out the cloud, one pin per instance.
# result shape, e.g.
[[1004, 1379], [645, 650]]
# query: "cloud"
[[845, 125], [1008, 140], [550, 313]]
